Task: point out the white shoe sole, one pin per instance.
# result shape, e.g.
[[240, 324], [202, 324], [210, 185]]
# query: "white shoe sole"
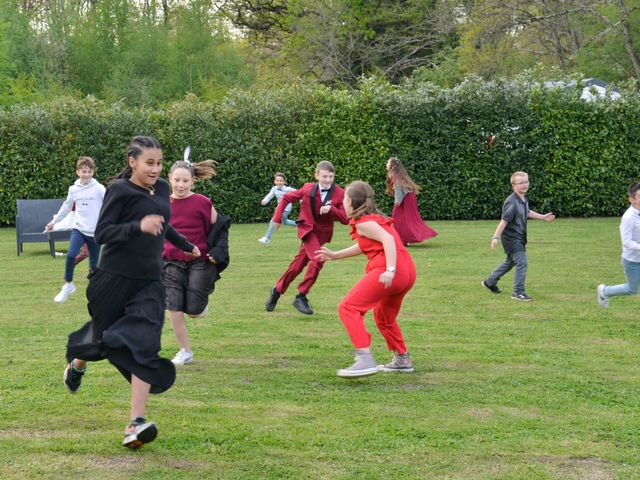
[[182, 362], [396, 370], [522, 299], [344, 373], [147, 434]]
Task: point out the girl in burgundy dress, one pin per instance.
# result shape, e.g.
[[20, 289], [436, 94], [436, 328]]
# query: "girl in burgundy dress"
[[390, 274], [188, 281], [407, 220]]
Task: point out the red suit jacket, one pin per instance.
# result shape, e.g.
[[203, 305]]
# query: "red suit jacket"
[[310, 219]]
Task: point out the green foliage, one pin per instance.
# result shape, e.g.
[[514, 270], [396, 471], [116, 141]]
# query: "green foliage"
[[119, 50], [580, 155]]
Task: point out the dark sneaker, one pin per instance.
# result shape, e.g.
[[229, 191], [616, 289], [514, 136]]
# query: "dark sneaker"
[[492, 288], [523, 297], [273, 299], [399, 363], [139, 432], [363, 366], [302, 304], [72, 378]]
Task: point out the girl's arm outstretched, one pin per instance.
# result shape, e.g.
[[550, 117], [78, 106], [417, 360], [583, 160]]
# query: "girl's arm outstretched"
[[325, 254]]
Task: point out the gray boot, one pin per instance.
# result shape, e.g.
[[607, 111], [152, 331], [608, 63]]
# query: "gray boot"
[[364, 365]]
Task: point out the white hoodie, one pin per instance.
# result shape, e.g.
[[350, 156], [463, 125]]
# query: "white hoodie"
[[88, 199]]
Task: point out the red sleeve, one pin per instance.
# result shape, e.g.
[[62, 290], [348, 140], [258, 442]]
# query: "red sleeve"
[[288, 198]]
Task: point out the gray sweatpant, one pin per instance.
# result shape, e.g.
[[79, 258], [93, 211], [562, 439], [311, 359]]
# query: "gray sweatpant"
[[517, 259]]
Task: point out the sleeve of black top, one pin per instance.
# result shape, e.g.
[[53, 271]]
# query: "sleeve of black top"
[[220, 251], [178, 239], [107, 229]]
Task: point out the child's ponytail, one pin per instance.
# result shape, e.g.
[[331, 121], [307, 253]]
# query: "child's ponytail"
[[199, 171]]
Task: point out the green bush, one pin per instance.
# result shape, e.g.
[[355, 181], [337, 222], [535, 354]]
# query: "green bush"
[[580, 155]]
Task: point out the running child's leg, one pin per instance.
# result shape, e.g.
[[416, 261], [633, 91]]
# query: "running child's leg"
[[498, 272]]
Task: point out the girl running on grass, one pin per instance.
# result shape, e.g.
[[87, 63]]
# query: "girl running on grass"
[[125, 294], [406, 217], [390, 274], [188, 280]]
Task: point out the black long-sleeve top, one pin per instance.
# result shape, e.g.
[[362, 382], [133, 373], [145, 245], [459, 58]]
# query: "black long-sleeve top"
[[127, 251]]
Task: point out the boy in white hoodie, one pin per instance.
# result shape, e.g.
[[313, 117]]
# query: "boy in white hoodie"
[[87, 194]]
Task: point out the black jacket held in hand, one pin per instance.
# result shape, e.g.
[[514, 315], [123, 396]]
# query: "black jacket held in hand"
[[218, 242]]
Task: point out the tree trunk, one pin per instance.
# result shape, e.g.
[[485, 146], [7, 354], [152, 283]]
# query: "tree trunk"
[[628, 40]]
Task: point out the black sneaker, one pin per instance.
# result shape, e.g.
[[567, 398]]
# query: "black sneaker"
[[273, 299], [139, 432], [523, 297], [72, 378], [302, 304], [493, 288]]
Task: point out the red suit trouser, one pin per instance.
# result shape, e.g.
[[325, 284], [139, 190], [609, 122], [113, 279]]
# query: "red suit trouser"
[[369, 293], [306, 255]]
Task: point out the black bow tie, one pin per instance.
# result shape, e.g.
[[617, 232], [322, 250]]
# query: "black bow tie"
[[322, 190]]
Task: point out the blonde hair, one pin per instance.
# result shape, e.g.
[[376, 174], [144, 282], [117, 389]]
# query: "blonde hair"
[[398, 177], [199, 171], [85, 162], [518, 174], [362, 202]]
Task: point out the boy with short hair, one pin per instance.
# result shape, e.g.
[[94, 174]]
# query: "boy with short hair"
[[87, 195], [278, 190], [320, 206], [630, 236], [512, 231]]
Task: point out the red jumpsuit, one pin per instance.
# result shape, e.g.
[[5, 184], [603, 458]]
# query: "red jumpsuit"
[[369, 293]]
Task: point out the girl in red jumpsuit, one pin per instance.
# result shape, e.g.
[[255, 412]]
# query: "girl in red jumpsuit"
[[390, 274]]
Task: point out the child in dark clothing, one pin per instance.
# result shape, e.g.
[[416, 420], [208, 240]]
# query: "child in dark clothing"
[[512, 230], [125, 294]]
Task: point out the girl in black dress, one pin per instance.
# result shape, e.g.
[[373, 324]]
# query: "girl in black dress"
[[125, 293]]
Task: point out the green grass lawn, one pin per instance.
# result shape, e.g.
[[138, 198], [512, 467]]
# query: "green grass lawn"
[[502, 390]]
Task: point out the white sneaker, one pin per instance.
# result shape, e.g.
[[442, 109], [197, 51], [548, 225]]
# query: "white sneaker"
[[182, 357], [264, 240], [603, 300], [364, 365], [67, 289], [202, 314]]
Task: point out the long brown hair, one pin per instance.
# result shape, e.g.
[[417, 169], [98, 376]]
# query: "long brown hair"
[[362, 202], [199, 171], [398, 177]]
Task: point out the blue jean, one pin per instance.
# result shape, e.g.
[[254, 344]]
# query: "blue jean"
[[632, 272], [285, 221], [517, 259], [75, 244]]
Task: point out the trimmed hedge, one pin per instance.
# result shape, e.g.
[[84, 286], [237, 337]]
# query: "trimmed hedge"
[[580, 155]]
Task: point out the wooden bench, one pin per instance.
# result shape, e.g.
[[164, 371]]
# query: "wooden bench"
[[31, 219]]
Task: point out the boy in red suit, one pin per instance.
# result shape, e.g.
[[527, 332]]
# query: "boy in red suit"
[[320, 206]]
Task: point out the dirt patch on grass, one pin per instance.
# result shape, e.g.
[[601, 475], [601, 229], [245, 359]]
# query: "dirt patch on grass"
[[32, 434], [128, 461], [480, 413], [588, 468]]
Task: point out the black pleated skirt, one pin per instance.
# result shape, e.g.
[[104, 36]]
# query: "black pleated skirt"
[[127, 316]]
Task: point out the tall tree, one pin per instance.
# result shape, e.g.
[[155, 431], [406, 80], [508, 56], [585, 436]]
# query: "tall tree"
[[503, 36], [338, 41]]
